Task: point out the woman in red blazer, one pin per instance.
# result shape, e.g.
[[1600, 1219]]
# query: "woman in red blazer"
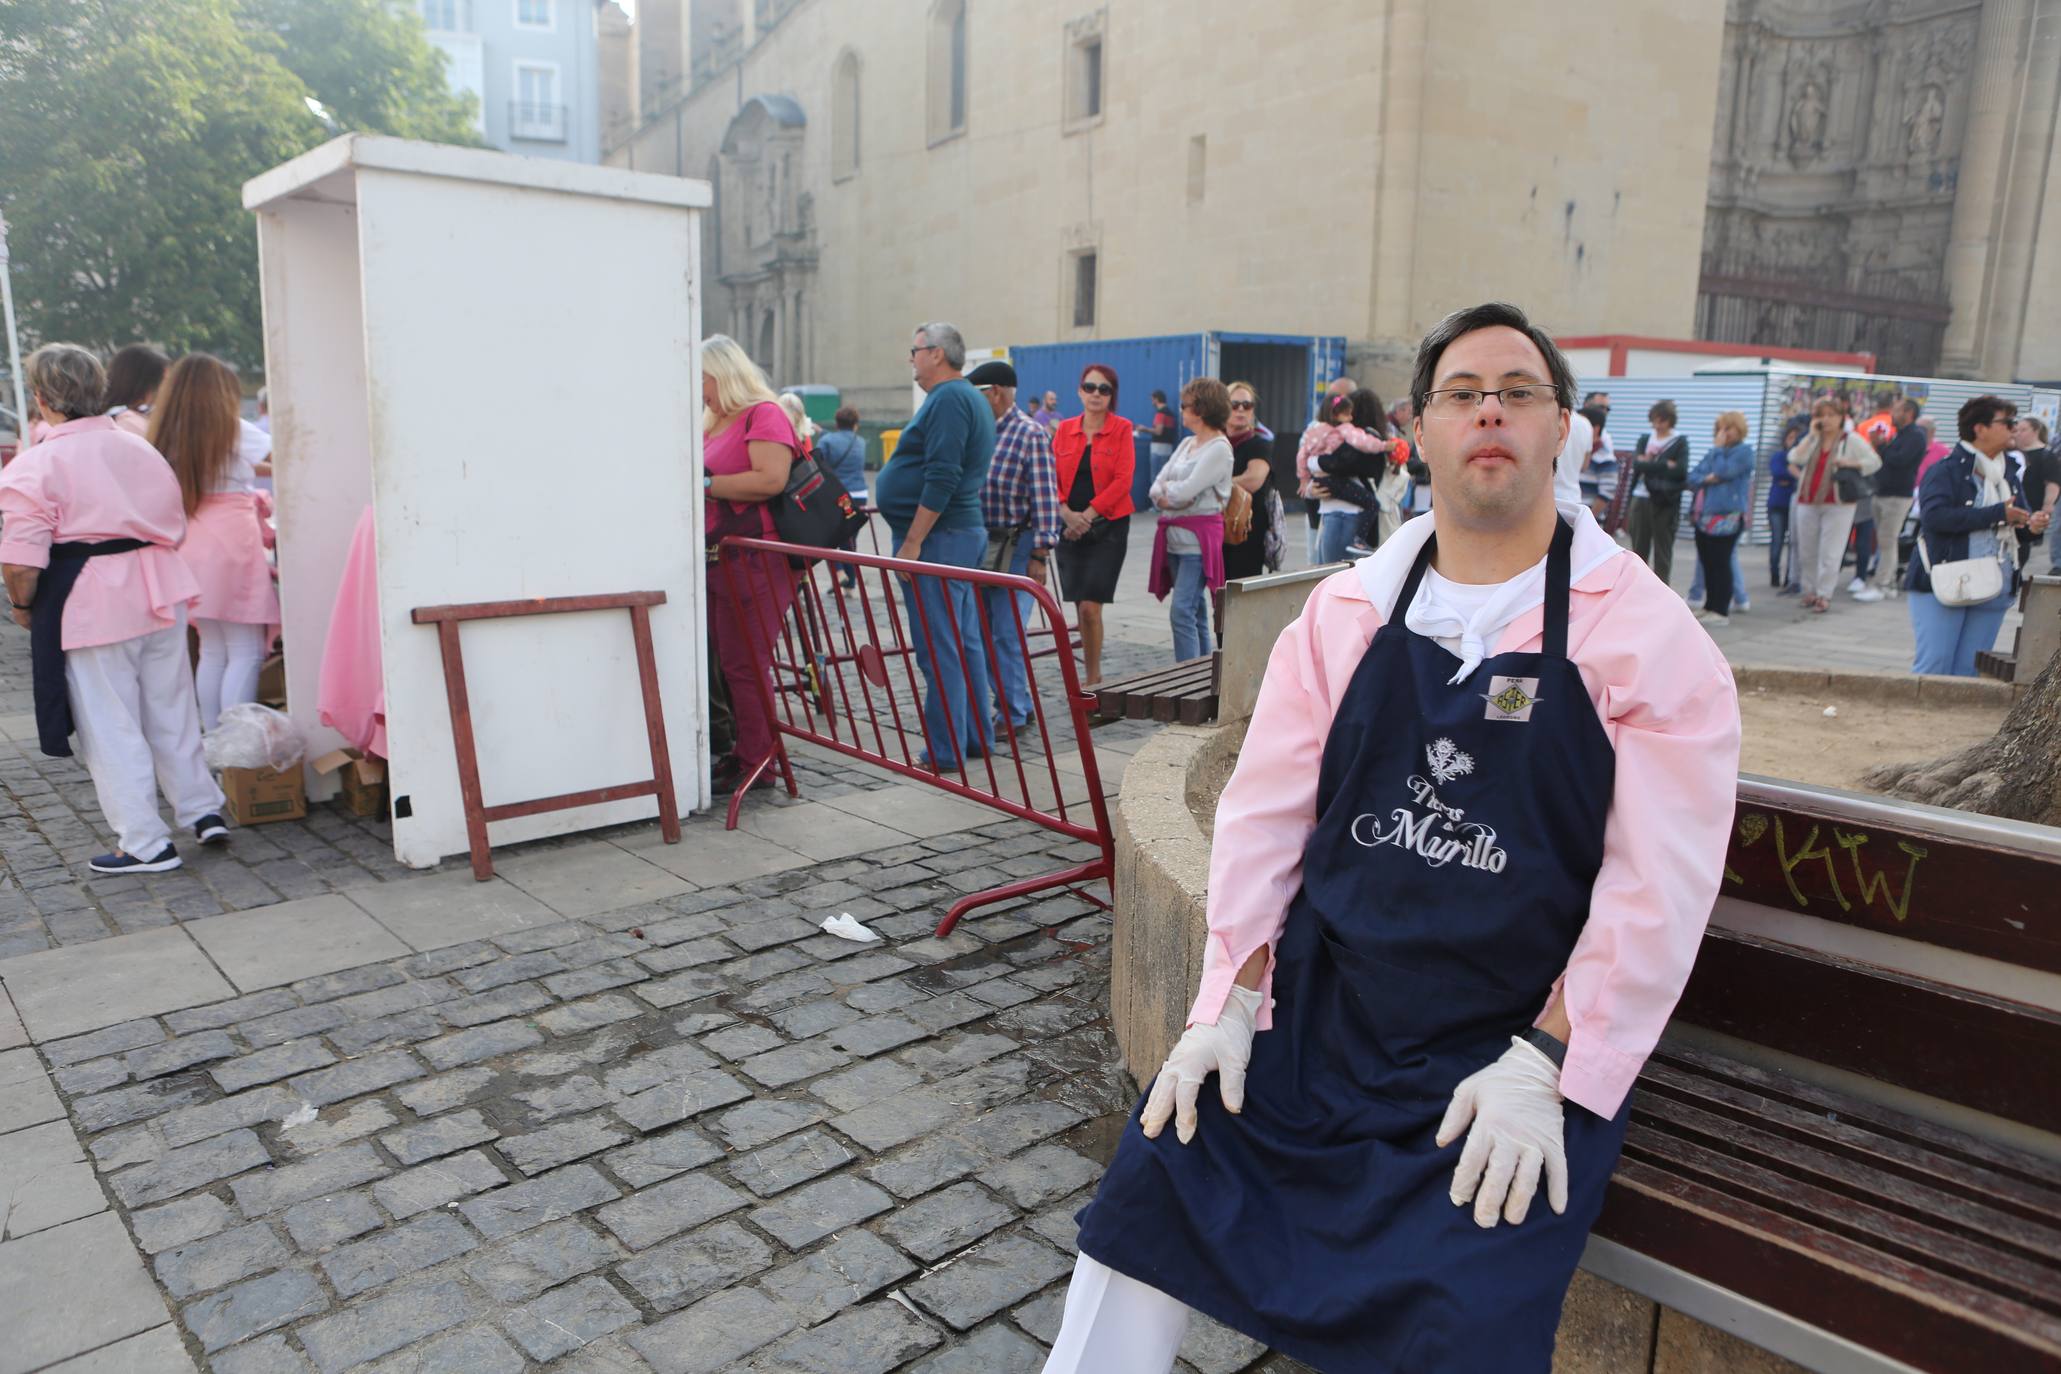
[[1095, 455]]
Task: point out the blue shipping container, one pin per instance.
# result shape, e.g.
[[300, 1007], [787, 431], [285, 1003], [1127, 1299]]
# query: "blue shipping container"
[[1288, 371]]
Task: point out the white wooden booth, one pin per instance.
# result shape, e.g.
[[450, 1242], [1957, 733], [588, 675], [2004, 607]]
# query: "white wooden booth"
[[497, 354]]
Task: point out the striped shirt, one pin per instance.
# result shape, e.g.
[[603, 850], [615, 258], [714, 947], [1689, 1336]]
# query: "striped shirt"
[[1023, 481]]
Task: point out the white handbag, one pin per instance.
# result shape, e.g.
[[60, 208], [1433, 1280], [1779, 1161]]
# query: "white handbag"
[[1963, 581]]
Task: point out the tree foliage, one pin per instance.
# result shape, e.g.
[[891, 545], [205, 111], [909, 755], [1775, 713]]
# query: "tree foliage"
[[127, 131]]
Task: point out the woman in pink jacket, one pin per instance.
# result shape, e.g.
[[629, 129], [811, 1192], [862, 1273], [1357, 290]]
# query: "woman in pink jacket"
[[89, 523], [196, 427], [1459, 877]]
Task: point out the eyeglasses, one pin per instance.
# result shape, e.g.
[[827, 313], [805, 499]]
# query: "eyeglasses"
[[1097, 389], [920, 348], [1465, 400], [1241, 405]]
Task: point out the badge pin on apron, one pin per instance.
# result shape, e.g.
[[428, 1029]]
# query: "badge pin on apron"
[[1511, 698]]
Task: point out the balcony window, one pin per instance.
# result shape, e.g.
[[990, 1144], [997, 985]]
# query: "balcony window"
[[536, 114], [535, 14], [447, 16]]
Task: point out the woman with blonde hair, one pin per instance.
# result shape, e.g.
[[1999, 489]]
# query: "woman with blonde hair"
[[747, 447], [1723, 483], [195, 425]]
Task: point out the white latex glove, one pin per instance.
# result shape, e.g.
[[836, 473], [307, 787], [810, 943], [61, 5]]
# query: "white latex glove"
[[1225, 1048], [1514, 1104]]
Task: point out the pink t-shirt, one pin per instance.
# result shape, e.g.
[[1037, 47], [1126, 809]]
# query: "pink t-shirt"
[[728, 453], [86, 482]]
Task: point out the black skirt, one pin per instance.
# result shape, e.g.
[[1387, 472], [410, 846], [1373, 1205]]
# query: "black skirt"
[[1089, 567]]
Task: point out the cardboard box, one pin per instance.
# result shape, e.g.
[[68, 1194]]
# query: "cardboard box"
[[260, 795], [364, 781]]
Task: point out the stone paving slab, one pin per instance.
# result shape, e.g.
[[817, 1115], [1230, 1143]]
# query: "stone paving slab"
[[70, 1290], [63, 992], [282, 944]]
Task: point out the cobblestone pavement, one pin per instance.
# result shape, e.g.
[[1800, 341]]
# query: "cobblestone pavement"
[[690, 1134]]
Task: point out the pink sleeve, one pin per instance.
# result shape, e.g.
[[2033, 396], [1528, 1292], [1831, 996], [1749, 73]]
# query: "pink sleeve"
[[1268, 810], [768, 424], [28, 520], [1674, 720]]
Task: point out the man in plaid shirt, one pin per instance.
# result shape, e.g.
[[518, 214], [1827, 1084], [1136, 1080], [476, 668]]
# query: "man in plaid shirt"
[[1022, 493]]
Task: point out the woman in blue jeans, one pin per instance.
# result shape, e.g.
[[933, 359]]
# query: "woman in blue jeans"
[[1188, 547], [1970, 506]]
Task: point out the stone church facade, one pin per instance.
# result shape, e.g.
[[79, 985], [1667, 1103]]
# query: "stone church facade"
[[1852, 174], [1875, 169]]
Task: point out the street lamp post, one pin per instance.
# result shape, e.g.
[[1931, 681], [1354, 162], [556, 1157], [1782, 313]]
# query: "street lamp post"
[[21, 413]]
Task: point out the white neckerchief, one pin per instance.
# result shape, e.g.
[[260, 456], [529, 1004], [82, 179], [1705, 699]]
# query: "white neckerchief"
[[1990, 476], [1382, 575]]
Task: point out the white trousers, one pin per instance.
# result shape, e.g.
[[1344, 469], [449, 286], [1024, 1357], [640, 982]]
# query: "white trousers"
[[1116, 1325], [133, 706], [1821, 535], [232, 654]]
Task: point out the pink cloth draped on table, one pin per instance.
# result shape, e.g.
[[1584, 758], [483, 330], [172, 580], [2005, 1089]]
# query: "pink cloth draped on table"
[[225, 550], [352, 693]]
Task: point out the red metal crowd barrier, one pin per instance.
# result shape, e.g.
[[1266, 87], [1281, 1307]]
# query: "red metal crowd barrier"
[[839, 667]]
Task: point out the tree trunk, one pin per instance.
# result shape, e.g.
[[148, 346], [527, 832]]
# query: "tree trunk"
[[2015, 774]]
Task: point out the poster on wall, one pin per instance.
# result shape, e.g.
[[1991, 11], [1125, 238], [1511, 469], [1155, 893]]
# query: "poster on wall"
[[1867, 400]]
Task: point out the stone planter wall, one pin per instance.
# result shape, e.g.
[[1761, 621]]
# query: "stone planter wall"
[[1162, 879]]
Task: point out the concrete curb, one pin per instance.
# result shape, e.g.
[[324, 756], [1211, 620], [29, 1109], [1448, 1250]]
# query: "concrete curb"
[[1918, 687], [1162, 881]]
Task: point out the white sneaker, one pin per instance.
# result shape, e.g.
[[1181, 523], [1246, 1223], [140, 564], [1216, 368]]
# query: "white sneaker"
[[1741, 607], [1867, 594], [1709, 618], [1856, 586]]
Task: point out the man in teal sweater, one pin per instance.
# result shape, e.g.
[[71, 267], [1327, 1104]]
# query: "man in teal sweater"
[[930, 493]]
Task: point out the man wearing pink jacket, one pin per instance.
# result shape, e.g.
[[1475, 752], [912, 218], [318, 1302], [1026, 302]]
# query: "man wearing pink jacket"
[[90, 522], [1458, 881]]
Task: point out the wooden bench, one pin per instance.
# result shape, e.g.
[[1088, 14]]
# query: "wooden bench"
[[1848, 1148], [1185, 694], [2038, 637]]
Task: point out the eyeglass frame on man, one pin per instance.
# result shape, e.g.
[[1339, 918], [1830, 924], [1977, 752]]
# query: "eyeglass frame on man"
[[1432, 399], [919, 348]]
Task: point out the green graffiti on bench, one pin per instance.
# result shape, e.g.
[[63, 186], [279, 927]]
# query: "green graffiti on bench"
[[1873, 884]]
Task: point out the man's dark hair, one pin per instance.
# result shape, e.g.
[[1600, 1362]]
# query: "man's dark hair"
[[846, 418], [1911, 405], [1984, 410], [1590, 400], [133, 373], [1159, 398], [1595, 415], [1489, 315]]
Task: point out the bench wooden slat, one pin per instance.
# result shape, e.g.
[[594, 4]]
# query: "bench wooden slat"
[[1904, 1030], [1840, 1131], [2036, 1174], [1878, 1300], [1868, 1204]]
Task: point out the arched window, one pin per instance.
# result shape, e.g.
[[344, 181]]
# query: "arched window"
[[844, 117], [947, 70]]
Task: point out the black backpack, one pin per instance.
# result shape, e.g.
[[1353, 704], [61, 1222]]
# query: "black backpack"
[[815, 510]]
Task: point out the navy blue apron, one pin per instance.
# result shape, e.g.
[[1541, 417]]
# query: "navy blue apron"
[[1459, 831], [46, 638]]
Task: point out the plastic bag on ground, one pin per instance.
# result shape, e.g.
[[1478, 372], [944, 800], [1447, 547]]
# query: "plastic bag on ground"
[[848, 927], [253, 736]]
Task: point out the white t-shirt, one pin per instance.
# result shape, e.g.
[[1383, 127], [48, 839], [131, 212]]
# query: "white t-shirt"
[[1457, 602], [253, 446], [1567, 469]]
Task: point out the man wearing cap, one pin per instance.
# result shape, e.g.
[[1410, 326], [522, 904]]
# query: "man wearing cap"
[[1020, 501]]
